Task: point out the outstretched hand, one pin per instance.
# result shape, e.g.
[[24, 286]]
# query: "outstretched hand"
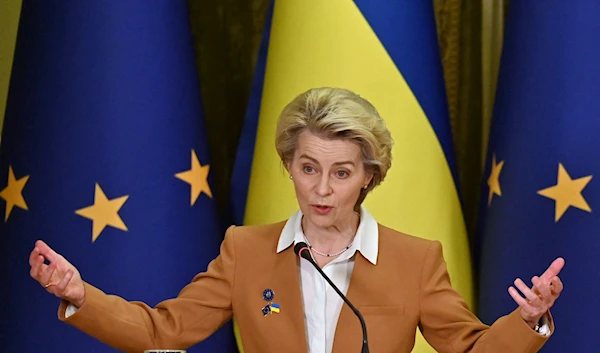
[[541, 297], [59, 277]]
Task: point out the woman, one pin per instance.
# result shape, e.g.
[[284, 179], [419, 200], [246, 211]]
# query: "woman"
[[336, 149]]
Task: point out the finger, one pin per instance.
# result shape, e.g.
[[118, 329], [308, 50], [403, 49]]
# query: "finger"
[[38, 267], [555, 267], [543, 288], [517, 297], [531, 296], [47, 274], [34, 263], [557, 286], [62, 285], [33, 256], [530, 312], [46, 251]]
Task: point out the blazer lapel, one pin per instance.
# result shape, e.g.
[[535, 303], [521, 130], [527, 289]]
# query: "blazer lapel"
[[286, 284], [348, 333]]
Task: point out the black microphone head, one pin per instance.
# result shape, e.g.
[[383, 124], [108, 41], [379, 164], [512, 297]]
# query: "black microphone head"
[[301, 249]]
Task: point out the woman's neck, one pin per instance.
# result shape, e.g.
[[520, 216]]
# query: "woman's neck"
[[333, 238]]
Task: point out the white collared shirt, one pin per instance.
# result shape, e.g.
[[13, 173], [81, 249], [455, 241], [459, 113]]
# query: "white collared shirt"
[[322, 305]]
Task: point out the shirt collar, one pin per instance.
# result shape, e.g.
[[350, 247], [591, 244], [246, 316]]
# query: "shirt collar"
[[366, 240]]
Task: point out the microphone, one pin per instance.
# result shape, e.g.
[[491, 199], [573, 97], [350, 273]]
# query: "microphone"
[[302, 250]]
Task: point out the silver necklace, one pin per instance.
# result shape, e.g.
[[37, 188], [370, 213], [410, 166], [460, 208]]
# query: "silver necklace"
[[330, 255], [325, 254]]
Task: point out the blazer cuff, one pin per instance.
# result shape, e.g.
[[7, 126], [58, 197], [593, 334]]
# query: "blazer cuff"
[[70, 314], [519, 331]]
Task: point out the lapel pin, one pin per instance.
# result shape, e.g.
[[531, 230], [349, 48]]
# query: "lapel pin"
[[271, 307], [266, 310], [268, 295]]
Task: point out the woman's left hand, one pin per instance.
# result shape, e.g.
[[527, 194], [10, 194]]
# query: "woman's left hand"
[[540, 298]]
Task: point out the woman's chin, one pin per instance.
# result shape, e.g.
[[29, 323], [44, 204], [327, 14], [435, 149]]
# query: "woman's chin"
[[320, 220]]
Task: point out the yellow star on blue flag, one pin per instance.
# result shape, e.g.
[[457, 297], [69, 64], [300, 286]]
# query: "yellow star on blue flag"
[[567, 192], [13, 193]]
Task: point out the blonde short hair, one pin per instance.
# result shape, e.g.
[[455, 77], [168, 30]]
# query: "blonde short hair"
[[337, 113]]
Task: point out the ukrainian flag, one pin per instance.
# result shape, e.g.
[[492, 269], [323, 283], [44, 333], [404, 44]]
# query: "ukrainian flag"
[[387, 52], [275, 308]]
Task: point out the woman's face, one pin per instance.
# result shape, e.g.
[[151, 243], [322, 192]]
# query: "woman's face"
[[328, 175]]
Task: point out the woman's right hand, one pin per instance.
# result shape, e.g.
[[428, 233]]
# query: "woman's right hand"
[[59, 277]]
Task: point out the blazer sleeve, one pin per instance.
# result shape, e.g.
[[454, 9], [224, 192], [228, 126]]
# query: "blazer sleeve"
[[200, 309], [450, 327]]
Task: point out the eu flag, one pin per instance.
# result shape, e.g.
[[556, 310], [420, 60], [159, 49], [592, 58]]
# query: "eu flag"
[[540, 189], [104, 156]]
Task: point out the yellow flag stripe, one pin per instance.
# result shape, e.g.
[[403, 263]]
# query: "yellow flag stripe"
[[9, 22]]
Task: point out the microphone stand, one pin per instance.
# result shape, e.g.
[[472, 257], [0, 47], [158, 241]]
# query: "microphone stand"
[[302, 250]]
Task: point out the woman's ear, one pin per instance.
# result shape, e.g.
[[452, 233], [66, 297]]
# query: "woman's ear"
[[368, 179]]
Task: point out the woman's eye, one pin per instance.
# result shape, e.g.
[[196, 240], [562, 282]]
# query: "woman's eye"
[[342, 174], [308, 169]]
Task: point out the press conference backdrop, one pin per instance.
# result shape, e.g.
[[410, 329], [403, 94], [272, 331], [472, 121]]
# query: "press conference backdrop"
[[387, 52], [104, 157], [540, 190]]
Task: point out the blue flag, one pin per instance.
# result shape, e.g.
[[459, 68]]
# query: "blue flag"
[[104, 157], [540, 187]]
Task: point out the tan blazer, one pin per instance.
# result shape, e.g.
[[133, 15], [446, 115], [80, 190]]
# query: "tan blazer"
[[409, 288]]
